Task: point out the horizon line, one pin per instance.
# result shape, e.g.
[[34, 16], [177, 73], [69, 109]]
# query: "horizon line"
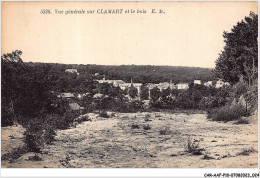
[[121, 64]]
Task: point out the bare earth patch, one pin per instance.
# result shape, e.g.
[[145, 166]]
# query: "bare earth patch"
[[115, 143]]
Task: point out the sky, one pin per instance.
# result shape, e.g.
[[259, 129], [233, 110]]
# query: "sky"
[[187, 34]]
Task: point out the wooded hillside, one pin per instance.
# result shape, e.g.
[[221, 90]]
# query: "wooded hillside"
[[139, 73]]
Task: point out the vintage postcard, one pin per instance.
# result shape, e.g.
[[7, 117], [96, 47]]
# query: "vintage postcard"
[[129, 85]]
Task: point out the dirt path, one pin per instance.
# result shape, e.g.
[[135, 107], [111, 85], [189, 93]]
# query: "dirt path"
[[113, 143]]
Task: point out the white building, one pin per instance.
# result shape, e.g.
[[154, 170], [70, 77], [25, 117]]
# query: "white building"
[[163, 86], [151, 86], [125, 86], [198, 82], [182, 86], [105, 81], [208, 83], [117, 83], [65, 95], [72, 71], [220, 84], [166, 85]]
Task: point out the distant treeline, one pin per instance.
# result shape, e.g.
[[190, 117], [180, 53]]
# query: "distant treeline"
[[139, 73]]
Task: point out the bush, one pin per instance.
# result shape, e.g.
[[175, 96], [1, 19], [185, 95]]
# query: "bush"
[[246, 151], [64, 121], [146, 127], [49, 133], [251, 97], [40, 131], [85, 118], [242, 121], [193, 147], [146, 117], [82, 118], [239, 88], [104, 114], [207, 156], [113, 114], [135, 126], [35, 158], [158, 115], [227, 113], [165, 131], [14, 154], [130, 107], [33, 136], [208, 102]]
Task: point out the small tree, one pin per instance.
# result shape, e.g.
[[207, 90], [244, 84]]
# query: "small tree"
[[155, 93], [144, 95], [133, 92], [165, 94]]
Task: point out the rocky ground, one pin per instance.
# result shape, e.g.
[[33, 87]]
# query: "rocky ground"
[[141, 140]]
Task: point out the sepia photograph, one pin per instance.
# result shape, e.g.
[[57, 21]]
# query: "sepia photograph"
[[129, 84]]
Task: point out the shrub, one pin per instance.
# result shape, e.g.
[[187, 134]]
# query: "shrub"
[[14, 154], [146, 127], [147, 117], [242, 121], [82, 118], [207, 156], [227, 113], [40, 131], [208, 102], [66, 162], [64, 121], [158, 115], [33, 136], [246, 151], [129, 107], [85, 118], [113, 114], [239, 88], [251, 97], [35, 158], [104, 114], [135, 126], [49, 133], [165, 131], [193, 147]]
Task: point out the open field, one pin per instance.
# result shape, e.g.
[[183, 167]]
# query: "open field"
[[141, 140]]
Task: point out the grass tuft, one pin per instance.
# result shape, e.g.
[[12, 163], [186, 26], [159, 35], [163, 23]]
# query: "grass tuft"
[[135, 126], [165, 131], [35, 158], [104, 114], [192, 147], [246, 151], [147, 127]]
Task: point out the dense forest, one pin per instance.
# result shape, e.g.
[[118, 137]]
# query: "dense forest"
[[139, 73]]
